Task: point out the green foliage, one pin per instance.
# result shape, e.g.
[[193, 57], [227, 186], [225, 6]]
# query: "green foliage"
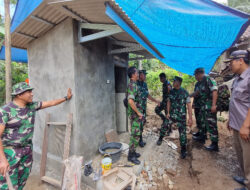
[[19, 74], [154, 67], [242, 5]]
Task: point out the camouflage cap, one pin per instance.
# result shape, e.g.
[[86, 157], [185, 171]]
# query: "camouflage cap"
[[143, 71], [199, 70], [20, 88], [176, 78]]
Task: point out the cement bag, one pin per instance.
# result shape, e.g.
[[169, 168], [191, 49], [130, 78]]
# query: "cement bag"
[[72, 174]]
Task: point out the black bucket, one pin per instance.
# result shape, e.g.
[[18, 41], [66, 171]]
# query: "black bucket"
[[116, 154]]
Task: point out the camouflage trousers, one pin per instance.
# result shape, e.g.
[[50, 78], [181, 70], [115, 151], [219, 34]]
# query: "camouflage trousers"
[[181, 128], [20, 160], [197, 113], [143, 123], [209, 124], [136, 124], [159, 109]]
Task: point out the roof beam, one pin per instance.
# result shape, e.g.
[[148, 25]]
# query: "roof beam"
[[72, 13], [108, 30], [98, 26], [126, 50], [42, 20], [25, 35], [125, 44]]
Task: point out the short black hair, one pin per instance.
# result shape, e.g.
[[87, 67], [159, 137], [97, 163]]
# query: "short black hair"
[[199, 70], [162, 75], [131, 71]]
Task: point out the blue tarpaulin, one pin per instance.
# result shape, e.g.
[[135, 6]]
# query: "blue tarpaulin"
[[187, 33], [23, 9], [18, 55]]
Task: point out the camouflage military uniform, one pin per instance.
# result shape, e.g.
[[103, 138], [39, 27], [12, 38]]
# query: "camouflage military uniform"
[[17, 141], [197, 106], [143, 92], [133, 93], [178, 99], [163, 105], [208, 119]]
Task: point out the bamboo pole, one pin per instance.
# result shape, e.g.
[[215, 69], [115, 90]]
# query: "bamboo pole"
[[8, 76]]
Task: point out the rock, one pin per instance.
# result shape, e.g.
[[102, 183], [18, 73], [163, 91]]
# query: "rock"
[[161, 171], [171, 186], [144, 174], [165, 180], [172, 172], [150, 177], [154, 169], [170, 182]]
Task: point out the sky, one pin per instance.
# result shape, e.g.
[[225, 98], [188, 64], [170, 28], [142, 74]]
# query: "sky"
[[12, 9]]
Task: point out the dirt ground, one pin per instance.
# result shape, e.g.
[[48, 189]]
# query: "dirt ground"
[[201, 170]]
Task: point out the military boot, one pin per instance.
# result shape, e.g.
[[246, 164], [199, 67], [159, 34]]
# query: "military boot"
[[183, 152], [132, 158], [196, 134], [141, 143], [200, 138], [159, 140], [137, 155], [213, 147]]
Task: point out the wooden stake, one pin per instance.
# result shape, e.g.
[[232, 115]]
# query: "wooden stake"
[[8, 76], [9, 182]]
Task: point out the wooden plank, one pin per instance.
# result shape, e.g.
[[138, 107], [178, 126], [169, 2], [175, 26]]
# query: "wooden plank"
[[45, 147], [57, 123], [67, 141], [9, 181], [51, 181], [99, 35]]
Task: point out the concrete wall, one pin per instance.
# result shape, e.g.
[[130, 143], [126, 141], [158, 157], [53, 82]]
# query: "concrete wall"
[[51, 72], [57, 61], [95, 94]]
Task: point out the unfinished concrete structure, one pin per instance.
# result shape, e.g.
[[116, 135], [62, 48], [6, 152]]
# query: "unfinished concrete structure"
[[66, 51]]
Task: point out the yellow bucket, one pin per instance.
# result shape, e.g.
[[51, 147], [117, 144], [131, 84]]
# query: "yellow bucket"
[[106, 162]]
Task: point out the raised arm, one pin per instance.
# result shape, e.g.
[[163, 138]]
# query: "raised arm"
[[4, 164], [50, 103]]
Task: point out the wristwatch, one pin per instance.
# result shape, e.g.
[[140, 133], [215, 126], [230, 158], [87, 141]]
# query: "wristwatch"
[[66, 98]]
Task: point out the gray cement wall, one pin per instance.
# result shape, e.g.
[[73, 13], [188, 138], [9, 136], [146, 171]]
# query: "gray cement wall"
[[57, 61], [51, 72], [95, 94]]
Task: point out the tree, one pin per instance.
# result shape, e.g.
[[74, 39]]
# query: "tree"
[[8, 77], [242, 5]]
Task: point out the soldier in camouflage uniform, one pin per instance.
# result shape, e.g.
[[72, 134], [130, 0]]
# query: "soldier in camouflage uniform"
[[178, 100], [166, 87], [197, 108], [143, 91], [208, 94], [17, 120], [135, 111]]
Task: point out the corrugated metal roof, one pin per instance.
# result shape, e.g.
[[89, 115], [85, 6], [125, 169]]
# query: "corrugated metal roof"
[[55, 11]]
